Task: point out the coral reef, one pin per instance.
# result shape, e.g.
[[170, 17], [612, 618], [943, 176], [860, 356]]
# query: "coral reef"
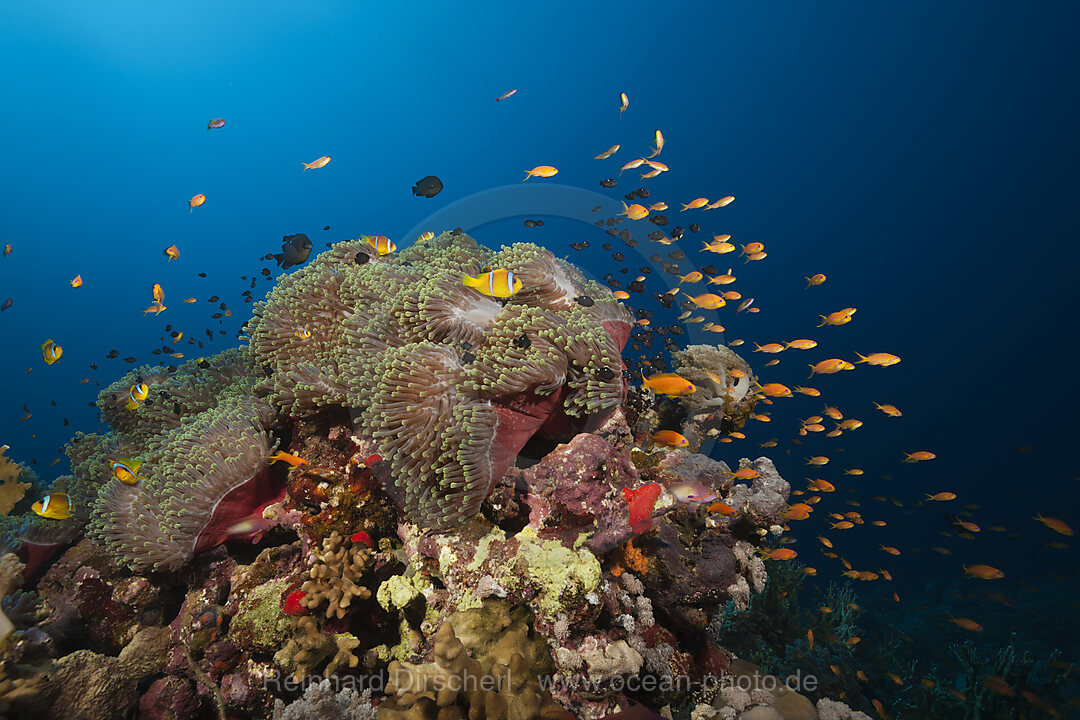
[[320, 701]]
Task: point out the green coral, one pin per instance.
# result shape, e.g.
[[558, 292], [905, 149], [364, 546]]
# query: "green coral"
[[259, 620]]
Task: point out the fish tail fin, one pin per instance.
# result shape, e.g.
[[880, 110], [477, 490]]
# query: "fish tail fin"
[[823, 319], [470, 281], [528, 174], [808, 283], [306, 166], [811, 372]]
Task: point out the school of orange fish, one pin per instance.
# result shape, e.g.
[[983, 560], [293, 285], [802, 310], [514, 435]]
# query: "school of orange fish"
[[501, 283]]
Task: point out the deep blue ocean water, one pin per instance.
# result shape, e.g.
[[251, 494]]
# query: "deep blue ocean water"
[[923, 155]]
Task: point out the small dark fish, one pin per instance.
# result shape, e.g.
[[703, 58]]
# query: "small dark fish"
[[605, 373], [606, 246], [677, 255], [428, 187], [203, 364], [361, 258], [658, 220], [326, 228], [129, 359], [467, 358], [637, 286], [694, 227], [177, 409], [6, 305], [93, 366], [677, 232], [113, 354], [529, 223], [213, 298], [609, 183], [630, 196], [65, 422], [596, 209], [215, 124], [642, 193], [584, 301], [294, 250], [612, 232], [579, 245], [202, 275], [523, 342], [265, 272], [618, 257], [216, 316]]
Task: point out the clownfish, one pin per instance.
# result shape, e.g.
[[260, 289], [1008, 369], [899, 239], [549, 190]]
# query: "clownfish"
[[51, 352], [382, 244], [497, 283], [303, 334], [126, 470], [54, 507], [136, 395]]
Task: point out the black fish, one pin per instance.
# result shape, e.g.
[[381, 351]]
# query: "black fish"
[[113, 354], [605, 373], [584, 301], [467, 358], [129, 359], [294, 250], [660, 220], [580, 245], [428, 187], [694, 227], [523, 342], [529, 223], [202, 274], [326, 228], [6, 305], [642, 193], [609, 183]]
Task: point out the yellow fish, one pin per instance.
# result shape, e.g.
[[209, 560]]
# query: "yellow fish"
[[51, 352], [544, 171], [77, 281], [303, 333], [54, 507], [136, 395], [669, 384], [497, 283], [426, 236], [608, 153], [126, 470]]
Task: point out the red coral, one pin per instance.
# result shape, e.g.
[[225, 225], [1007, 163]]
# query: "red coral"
[[641, 501], [363, 537]]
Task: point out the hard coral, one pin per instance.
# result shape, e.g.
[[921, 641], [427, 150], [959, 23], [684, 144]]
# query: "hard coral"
[[437, 373], [339, 565]]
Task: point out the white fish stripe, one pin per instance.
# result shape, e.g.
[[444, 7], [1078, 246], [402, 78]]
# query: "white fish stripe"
[[45, 504]]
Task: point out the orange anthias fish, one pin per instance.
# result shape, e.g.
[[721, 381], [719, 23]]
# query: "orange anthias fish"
[[196, 202], [172, 252], [722, 509], [607, 153], [781, 554], [544, 171], [635, 211], [966, 623], [983, 572], [775, 390], [802, 344], [827, 367], [745, 474], [695, 204], [889, 410], [942, 496], [670, 384], [840, 317], [1058, 526], [722, 202], [624, 102], [669, 438], [285, 457], [315, 164], [77, 281], [707, 301], [815, 280], [658, 144], [879, 359], [919, 455]]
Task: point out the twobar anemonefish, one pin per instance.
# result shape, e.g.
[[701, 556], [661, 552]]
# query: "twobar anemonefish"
[[382, 244], [54, 507], [126, 470], [497, 283], [136, 395], [51, 352]]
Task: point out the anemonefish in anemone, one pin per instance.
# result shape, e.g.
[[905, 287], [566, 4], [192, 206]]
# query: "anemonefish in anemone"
[[126, 470], [137, 395], [382, 244], [51, 352], [54, 507], [496, 283]]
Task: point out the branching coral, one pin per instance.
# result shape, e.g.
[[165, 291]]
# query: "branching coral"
[[303, 653], [451, 383], [339, 565]]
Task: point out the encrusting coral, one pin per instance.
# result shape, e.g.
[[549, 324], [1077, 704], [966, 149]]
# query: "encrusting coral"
[[450, 382]]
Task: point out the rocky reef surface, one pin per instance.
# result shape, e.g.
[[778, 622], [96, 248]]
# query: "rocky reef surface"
[[472, 521]]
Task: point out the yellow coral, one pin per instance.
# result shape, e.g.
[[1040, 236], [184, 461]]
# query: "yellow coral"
[[11, 490]]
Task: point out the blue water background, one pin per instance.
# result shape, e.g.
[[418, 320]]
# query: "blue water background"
[[923, 155]]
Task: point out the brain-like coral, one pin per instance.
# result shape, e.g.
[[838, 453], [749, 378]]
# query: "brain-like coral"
[[450, 383]]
